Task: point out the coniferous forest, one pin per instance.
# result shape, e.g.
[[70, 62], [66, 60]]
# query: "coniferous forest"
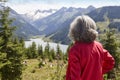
[[35, 63]]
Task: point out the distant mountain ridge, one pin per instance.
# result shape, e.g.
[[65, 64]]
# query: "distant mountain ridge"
[[57, 20], [56, 26], [23, 28], [99, 14], [37, 14]]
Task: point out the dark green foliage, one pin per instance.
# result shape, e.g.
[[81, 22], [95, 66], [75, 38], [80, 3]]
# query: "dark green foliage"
[[22, 42], [59, 53], [28, 53], [2, 59], [111, 44], [65, 56], [32, 51], [57, 75], [10, 51], [5, 29], [15, 41], [33, 71], [40, 51], [12, 69], [50, 58], [47, 51], [41, 64], [52, 52]]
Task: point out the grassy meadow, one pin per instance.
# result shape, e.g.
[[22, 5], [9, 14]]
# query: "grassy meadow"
[[47, 72], [32, 71]]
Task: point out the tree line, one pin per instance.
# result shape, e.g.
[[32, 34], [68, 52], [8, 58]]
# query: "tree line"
[[33, 52]]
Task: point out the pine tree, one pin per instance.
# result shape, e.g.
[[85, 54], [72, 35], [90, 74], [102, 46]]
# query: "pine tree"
[[52, 52], [22, 42], [52, 55], [59, 56], [67, 52], [16, 41], [47, 51], [6, 29], [59, 52], [40, 51], [10, 53], [111, 45], [28, 53], [32, 51]]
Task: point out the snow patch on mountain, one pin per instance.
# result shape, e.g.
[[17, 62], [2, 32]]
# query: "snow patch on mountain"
[[37, 14]]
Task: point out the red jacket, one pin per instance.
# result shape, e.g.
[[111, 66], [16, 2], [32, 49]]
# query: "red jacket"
[[88, 61]]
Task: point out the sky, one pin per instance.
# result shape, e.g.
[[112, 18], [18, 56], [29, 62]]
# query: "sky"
[[24, 6]]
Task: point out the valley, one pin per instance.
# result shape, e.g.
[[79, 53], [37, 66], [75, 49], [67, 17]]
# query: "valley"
[[35, 45]]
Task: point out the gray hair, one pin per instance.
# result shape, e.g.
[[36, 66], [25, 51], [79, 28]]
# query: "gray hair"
[[83, 28]]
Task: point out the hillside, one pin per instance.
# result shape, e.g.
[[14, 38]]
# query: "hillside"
[[23, 28], [99, 15], [59, 19], [47, 72], [115, 25]]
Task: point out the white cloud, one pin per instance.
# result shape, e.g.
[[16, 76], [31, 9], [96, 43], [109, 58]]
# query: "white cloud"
[[23, 8], [30, 6]]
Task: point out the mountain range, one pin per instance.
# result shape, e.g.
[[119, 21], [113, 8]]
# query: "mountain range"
[[23, 28], [54, 24], [59, 19], [37, 14], [99, 14]]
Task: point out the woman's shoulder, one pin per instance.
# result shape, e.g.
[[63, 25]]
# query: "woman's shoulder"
[[74, 48], [97, 43], [81, 45]]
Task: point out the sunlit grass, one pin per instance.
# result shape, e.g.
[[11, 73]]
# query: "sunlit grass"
[[102, 25], [47, 72]]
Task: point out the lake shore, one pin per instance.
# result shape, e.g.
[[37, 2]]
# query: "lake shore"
[[40, 41]]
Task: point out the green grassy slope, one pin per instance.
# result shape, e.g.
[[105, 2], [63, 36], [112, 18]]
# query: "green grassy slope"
[[33, 72]]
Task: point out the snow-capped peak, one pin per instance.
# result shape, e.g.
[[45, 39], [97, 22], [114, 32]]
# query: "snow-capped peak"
[[37, 14]]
